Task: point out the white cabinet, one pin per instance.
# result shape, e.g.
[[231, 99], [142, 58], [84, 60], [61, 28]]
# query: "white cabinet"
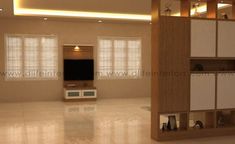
[[226, 42], [80, 93], [202, 92], [203, 38], [226, 90]]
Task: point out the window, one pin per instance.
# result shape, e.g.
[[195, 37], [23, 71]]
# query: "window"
[[30, 57], [119, 57]]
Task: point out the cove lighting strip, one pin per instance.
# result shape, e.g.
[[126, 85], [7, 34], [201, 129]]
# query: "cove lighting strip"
[[203, 9], [78, 14]]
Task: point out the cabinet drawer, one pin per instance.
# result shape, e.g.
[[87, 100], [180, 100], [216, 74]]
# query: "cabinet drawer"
[[73, 94], [89, 93]]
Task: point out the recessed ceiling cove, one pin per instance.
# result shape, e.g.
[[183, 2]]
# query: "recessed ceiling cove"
[[106, 9]]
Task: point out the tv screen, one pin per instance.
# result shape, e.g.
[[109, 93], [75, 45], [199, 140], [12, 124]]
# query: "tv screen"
[[75, 70]]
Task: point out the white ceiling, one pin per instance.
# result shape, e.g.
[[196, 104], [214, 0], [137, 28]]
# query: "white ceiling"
[[110, 6]]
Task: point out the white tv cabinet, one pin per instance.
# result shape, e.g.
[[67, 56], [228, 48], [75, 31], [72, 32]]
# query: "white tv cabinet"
[[73, 93]]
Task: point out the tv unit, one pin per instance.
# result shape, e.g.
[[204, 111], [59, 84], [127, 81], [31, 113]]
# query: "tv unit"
[[78, 70]]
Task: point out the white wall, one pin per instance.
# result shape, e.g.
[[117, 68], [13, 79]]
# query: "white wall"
[[73, 32]]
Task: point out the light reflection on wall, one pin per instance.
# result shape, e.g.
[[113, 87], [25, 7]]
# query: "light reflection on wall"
[[14, 134]]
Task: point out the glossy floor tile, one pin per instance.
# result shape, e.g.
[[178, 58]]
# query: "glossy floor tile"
[[106, 121]]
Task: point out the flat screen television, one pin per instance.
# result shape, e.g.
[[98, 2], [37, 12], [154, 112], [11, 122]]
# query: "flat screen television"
[[78, 70]]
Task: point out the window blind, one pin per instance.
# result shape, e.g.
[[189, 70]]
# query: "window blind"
[[119, 57], [31, 57]]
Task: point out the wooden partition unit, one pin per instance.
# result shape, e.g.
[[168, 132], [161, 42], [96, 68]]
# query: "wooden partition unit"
[[193, 66]]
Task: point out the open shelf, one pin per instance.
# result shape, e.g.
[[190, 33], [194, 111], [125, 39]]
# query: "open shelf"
[[225, 10], [225, 118], [201, 120], [179, 121], [202, 9], [170, 7], [201, 65], [198, 9]]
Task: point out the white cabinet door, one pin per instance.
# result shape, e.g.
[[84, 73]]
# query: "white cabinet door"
[[73, 94], [226, 90], [226, 42], [203, 38], [202, 92], [89, 93]]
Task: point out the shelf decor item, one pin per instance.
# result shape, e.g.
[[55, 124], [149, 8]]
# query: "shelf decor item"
[[196, 6], [198, 67], [172, 125], [221, 121], [168, 10], [198, 125], [164, 126], [224, 15]]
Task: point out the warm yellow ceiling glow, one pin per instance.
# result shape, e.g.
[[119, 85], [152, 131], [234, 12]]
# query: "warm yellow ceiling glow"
[[77, 14]]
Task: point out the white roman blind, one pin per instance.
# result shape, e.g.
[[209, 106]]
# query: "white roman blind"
[[31, 57], [49, 57], [119, 57], [14, 60]]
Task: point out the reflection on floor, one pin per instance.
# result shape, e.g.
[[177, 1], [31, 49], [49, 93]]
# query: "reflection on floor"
[[107, 121]]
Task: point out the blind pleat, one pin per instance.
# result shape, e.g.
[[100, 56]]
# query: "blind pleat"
[[49, 57], [14, 57], [105, 57], [31, 53], [120, 56]]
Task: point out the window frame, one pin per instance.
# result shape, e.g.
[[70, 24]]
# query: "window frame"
[[23, 78], [128, 77]]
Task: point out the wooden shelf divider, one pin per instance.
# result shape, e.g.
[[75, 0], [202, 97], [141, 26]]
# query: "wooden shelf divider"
[[185, 8], [171, 53], [212, 8]]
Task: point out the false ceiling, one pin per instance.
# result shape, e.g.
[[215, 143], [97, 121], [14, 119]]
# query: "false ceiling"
[[112, 6], [139, 7]]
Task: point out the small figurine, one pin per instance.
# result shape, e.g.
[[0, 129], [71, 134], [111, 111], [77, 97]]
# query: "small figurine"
[[224, 15], [195, 6], [198, 124], [164, 126]]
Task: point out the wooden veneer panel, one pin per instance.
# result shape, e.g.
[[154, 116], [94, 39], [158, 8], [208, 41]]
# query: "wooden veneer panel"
[[173, 69]]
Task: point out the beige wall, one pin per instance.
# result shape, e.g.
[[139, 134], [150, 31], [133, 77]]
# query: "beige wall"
[[73, 32]]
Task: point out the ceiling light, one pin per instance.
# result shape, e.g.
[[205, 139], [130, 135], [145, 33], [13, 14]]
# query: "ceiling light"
[[76, 48], [78, 14], [1, 9], [100, 21], [45, 19]]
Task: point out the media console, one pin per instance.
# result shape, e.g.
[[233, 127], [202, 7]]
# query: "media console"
[[78, 73], [72, 93]]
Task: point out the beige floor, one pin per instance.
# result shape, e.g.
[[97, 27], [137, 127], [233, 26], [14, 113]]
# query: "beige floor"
[[108, 121]]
